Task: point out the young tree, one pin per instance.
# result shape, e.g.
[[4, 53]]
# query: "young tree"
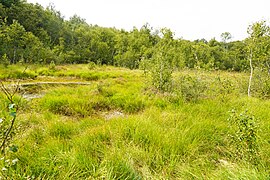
[[258, 45], [13, 35], [161, 63], [133, 46], [202, 55], [226, 36]]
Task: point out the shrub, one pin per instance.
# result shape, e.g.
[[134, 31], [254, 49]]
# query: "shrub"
[[189, 88], [221, 87], [160, 65], [161, 73], [4, 60], [261, 83], [244, 137], [91, 65], [52, 66]]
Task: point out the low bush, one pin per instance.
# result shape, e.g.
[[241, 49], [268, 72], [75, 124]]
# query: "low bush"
[[91, 65], [260, 86], [244, 136], [189, 88]]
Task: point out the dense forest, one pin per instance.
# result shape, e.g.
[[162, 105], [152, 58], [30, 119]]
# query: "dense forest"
[[30, 33]]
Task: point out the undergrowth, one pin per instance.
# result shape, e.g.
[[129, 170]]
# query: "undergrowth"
[[118, 127]]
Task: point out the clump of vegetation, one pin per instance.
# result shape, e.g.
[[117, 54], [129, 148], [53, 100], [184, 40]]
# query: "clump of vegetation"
[[261, 83], [118, 127], [245, 136], [8, 116], [52, 66], [4, 60], [189, 88], [160, 65], [114, 127], [91, 65]]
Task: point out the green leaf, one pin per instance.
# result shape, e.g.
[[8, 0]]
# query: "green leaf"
[[13, 148], [12, 113], [12, 110]]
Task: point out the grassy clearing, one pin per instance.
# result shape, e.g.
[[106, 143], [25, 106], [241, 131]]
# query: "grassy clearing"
[[184, 134]]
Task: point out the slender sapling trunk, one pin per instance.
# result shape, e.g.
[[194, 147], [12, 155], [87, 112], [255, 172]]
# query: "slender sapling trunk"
[[251, 74]]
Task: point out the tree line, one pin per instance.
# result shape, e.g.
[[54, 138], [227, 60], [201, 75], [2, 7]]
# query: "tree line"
[[30, 33]]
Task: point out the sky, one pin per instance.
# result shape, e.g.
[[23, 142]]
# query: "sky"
[[188, 19]]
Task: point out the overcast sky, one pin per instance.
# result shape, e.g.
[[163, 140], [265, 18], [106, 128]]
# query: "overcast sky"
[[189, 19]]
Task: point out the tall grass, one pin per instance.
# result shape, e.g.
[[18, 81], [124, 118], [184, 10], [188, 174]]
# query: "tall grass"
[[67, 135]]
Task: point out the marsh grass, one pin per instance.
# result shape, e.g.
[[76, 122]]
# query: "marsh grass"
[[64, 135]]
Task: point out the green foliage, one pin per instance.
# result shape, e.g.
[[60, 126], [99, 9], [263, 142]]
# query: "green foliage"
[[222, 88], [9, 3], [52, 66], [129, 104], [90, 76], [114, 128], [39, 35], [245, 136], [132, 47], [261, 83], [161, 73], [160, 66], [121, 169], [91, 65], [17, 74], [226, 36], [5, 124], [66, 105], [62, 130], [4, 60], [71, 102], [8, 115], [258, 48], [19, 44], [189, 88]]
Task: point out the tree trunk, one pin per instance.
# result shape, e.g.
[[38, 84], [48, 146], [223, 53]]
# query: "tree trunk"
[[251, 74], [161, 82]]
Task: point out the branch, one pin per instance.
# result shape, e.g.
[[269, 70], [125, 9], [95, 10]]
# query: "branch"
[[2, 147], [12, 109], [18, 83], [6, 92]]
